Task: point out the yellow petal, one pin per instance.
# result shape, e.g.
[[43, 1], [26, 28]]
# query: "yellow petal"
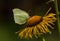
[[51, 15], [51, 22], [41, 28], [47, 29], [48, 24], [35, 33], [38, 33], [42, 24], [30, 33], [21, 34], [27, 33]]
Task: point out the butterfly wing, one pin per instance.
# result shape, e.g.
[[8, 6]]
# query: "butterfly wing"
[[20, 16]]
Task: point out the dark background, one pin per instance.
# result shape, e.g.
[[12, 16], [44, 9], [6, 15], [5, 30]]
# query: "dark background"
[[7, 25]]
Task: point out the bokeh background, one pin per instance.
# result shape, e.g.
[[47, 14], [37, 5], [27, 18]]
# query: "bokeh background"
[[8, 26]]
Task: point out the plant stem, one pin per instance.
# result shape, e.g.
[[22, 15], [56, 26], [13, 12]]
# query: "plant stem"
[[43, 39], [57, 13], [48, 11]]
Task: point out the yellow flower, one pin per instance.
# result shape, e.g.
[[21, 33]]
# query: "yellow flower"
[[37, 25]]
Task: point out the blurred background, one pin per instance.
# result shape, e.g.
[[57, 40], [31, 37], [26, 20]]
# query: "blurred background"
[[8, 26]]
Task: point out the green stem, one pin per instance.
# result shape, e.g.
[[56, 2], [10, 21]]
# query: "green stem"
[[57, 13], [48, 11], [44, 39]]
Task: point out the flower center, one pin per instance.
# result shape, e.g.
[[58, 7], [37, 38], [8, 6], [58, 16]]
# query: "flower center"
[[34, 20]]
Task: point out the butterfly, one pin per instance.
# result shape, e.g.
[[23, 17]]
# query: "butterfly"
[[20, 16], [35, 25]]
